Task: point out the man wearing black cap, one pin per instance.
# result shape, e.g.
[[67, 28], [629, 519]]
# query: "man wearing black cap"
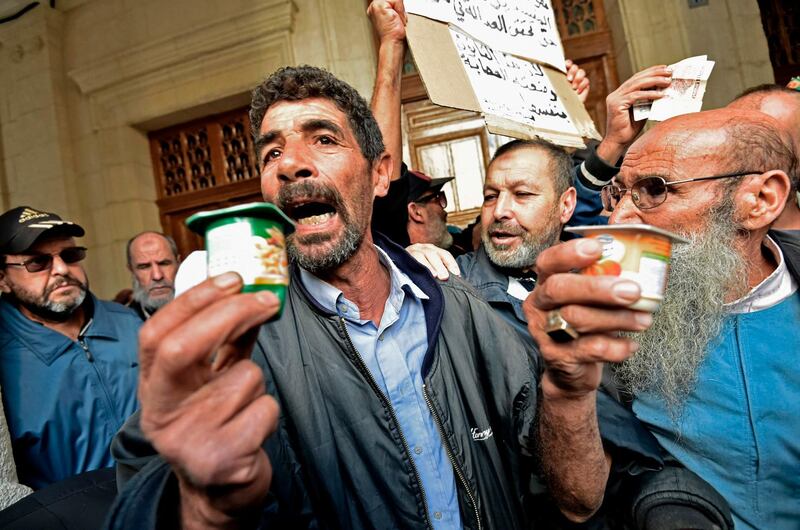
[[68, 365], [427, 218]]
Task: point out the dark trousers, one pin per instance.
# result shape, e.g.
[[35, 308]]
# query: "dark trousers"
[[77, 503]]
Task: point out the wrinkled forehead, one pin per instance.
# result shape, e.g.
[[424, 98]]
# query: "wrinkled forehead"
[[150, 244], [524, 166], [675, 153], [285, 114]]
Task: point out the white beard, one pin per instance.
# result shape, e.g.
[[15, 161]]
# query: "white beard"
[[702, 274]]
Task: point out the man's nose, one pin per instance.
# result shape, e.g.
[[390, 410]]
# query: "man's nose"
[[295, 161], [59, 266], [157, 273], [503, 207], [625, 212]]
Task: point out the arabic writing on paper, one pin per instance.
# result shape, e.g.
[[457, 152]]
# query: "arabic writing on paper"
[[510, 87], [526, 28]]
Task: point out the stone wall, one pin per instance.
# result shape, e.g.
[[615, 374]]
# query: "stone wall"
[[81, 85], [648, 32]]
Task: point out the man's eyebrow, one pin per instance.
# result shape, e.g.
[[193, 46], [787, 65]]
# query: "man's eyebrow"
[[309, 126], [264, 139]]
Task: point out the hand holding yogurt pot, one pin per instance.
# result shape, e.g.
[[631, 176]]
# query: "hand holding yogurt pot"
[[623, 271]]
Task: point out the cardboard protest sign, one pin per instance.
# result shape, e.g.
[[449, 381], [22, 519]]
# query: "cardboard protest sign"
[[517, 97], [526, 28]]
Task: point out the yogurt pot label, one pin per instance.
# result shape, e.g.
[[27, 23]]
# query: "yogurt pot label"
[[249, 239], [639, 253], [256, 250]]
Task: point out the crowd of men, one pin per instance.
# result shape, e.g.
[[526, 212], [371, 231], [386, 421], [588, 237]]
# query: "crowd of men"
[[411, 381]]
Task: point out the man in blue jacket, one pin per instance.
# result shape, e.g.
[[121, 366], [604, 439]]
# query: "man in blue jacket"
[[68, 365]]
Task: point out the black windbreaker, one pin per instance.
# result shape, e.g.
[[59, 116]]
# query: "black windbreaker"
[[339, 458]]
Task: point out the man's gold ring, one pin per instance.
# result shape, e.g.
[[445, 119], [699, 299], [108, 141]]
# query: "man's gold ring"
[[559, 329]]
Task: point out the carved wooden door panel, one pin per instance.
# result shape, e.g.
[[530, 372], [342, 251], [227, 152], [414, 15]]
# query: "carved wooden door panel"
[[200, 165]]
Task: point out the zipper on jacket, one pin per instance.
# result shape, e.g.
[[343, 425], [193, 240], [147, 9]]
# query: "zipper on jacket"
[[449, 452], [375, 388], [85, 347]]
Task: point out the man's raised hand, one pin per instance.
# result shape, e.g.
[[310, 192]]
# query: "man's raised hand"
[[203, 402]]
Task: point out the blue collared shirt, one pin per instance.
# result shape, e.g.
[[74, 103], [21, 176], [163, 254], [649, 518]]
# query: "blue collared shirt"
[[393, 352]]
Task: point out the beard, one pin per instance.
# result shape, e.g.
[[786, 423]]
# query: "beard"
[[331, 252], [703, 274], [440, 236], [41, 305], [142, 294], [524, 255]]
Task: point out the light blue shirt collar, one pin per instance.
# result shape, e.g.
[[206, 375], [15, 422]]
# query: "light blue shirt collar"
[[333, 300]]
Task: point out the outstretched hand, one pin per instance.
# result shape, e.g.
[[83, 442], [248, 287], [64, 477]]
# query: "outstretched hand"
[[621, 129], [595, 306], [203, 401]]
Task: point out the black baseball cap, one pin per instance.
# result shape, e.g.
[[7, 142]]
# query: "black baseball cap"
[[419, 183], [20, 227]]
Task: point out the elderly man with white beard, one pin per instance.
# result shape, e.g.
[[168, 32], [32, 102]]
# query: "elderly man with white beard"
[[714, 377]]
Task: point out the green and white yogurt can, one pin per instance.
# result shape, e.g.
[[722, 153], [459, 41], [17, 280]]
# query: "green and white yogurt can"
[[249, 239]]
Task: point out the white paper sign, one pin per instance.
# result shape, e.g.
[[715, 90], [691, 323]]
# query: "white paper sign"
[[526, 28], [512, 88]]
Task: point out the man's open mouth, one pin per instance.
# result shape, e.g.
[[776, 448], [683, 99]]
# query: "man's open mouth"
[[310, 212], [499, 234]]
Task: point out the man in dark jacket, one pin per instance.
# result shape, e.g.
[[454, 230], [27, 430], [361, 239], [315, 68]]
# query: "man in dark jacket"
[[714, 373], [68, 366], [403, 403]]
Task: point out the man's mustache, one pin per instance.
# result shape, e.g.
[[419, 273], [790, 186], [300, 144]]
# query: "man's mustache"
[[161, 283], [507, 228], [311, 191], [64, 281]]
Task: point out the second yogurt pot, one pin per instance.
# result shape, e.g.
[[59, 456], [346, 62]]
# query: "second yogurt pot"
[[249, 239], [637, 252]]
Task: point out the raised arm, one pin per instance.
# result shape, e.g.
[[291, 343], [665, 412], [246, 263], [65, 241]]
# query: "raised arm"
[[621, 129], [572, 456], [389, 19]]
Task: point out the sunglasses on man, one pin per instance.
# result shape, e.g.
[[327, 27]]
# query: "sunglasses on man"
[[649, 192], [439, 196], [44, 262]]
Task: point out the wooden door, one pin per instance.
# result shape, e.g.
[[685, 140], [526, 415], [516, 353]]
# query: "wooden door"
[[203, 164]]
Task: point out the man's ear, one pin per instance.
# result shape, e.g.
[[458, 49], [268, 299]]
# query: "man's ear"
[[416, 213], [4, 287], [381, 174], [566, 205], [760, 200]]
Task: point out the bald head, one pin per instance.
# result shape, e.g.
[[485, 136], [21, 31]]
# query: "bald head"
[[730, 139], [779, 102]]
